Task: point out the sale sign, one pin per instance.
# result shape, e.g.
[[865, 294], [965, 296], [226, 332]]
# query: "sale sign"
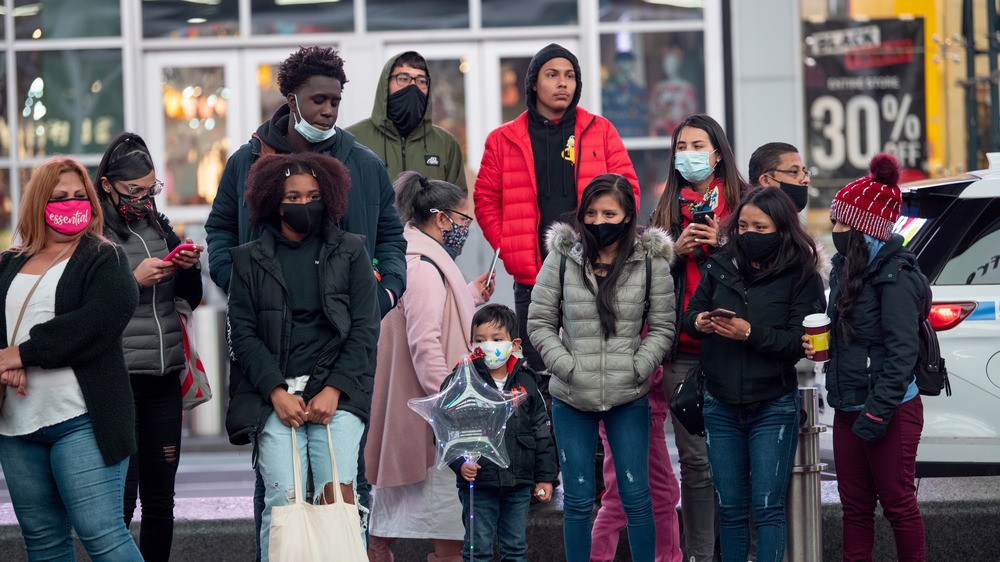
[[864, 85]]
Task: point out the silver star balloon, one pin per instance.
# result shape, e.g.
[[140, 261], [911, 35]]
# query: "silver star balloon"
[[469, 417]]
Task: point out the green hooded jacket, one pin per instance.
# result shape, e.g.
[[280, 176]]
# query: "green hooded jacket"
[[429, 149]]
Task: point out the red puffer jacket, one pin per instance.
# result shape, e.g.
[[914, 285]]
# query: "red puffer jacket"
[[506, 195]]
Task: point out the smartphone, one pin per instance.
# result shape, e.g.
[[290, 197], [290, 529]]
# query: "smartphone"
[[702, 217], [722, 312], [493, 268], [179, 247]]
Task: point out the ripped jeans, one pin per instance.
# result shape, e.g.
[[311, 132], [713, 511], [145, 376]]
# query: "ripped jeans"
[[627, 427], [274, 460], [751, 449]]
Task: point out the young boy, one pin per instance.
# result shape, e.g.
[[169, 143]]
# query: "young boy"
[[502, 495]]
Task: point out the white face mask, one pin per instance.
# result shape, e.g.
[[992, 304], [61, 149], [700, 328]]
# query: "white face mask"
[[309, 132], [495, 353]]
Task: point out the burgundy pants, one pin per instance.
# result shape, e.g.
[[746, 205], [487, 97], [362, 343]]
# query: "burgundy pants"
[[880, 472]]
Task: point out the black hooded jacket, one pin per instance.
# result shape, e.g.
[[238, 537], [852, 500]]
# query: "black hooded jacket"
[[552, 144]]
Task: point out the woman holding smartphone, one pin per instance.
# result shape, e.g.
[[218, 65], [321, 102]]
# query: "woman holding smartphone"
[[765, 281], [702, 188], [153, 340]]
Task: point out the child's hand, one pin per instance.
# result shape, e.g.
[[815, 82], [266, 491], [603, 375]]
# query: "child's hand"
[[469, 471], [543, 491], [291, 409], [808, 347], [323, 406]]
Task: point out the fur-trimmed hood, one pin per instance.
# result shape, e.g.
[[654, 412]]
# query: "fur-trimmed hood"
[[565, 239]]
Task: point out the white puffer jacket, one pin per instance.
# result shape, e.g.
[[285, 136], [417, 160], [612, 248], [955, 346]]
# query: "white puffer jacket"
[[589, 372]]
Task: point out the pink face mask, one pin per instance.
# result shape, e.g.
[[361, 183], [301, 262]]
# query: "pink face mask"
[[69, 216]]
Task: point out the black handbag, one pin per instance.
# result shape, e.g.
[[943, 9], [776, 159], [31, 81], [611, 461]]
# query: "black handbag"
[[687, 401]]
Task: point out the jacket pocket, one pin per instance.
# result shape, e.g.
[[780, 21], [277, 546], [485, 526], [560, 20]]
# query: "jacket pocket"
[[524, 465]]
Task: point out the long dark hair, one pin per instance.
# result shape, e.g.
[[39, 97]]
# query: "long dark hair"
[[619, 188], [796, 249], [127, 158], [852, 280], [668, 212]]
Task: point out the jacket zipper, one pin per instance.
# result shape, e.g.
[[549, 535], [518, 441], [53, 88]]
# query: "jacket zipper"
[[402, 151], [156, 316]]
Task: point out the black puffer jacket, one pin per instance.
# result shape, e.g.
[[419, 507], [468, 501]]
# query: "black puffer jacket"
[[260, 324], [876, 367], [153, 341], [527, 440], [763, 367]]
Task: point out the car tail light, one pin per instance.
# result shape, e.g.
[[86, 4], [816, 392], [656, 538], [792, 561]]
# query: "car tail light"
[[947, 315]]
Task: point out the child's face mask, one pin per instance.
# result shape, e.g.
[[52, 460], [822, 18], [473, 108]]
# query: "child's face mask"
[[496, 353]]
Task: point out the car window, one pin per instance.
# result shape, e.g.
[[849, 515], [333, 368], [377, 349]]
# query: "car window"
[[976, 260]]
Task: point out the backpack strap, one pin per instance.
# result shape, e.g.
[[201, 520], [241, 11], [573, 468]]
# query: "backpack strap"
[[430, 261]]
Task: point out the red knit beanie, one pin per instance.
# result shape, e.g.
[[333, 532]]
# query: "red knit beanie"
[[871, 204]]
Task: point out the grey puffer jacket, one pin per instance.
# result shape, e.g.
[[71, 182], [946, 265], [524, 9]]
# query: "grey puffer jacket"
[[153, 341], [589, 372]]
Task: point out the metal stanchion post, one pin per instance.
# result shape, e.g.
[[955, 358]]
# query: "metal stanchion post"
[[804, 541]]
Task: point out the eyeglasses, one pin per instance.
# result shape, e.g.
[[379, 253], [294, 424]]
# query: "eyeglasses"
[[403, 80], [796, 173], [466, 219], [139, 191]]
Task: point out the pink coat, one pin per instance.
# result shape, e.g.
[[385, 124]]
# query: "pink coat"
[[421, 341]]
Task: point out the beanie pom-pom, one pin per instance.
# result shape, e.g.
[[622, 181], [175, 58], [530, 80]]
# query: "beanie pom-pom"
[[884, 169]]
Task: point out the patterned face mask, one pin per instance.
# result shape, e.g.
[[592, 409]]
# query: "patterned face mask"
[[134, 209], [456, 237]]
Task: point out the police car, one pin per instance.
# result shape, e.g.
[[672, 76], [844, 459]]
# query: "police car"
[[953, 226]]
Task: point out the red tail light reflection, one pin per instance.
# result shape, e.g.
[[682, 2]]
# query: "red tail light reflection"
[[947, 315]]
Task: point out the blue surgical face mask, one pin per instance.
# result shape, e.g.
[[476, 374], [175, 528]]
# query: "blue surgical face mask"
[[308, 132], [693, 165]]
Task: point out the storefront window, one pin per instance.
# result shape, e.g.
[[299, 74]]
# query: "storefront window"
[[63, 19], [6, 210], [195, 106], [280, 17], [651, 169], [4, 122], [182, 19], [71, 101], [644, 10], [393, 15], [650, 82], [270, 95], [512, 73], [448, 96], [513, 13]]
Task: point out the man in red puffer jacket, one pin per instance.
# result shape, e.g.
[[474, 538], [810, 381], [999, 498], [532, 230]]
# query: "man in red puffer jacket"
[[534, 169]]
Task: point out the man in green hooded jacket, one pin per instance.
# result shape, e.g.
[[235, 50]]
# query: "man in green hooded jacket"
[[400, 130]]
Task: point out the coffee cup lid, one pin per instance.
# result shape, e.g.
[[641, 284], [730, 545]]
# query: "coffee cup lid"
[[816, 320]]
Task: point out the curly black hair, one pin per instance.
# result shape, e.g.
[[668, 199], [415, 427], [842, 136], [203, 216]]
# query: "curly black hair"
[[266, 183], [307, 62]]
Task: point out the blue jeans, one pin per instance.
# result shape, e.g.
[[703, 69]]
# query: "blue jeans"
[[500, 512], [274, 459], [576, 431], [57, 481], [751, 449]]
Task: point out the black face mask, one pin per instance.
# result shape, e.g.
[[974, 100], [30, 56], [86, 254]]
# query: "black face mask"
[[757, 247], [842, 242], [303, 218], [405, 109], [606, 233], [799, 194], [133, 209]]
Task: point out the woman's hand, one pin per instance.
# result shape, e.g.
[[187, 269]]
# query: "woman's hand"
[[732, 328], [153, 270], [808, 347], [10, 358], [16, 378], [484, 291], [703, 323], [697, 234], [543, 491], [186, 259], [469, 470], [322, 406], [291, 409]]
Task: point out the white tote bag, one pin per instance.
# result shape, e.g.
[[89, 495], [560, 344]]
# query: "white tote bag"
[[303, 532]]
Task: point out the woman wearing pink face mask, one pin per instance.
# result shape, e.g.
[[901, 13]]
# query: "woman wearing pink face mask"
[[66, 423]]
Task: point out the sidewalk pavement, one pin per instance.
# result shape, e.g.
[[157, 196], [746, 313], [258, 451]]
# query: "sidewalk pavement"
[[960, 516]]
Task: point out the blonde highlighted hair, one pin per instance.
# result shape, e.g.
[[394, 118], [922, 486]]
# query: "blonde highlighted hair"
[[31, 228]]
